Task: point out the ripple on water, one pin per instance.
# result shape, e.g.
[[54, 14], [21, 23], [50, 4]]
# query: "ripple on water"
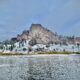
[[52, 67]]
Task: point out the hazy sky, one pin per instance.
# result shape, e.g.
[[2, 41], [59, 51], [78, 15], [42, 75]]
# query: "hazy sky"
[[61, 16]]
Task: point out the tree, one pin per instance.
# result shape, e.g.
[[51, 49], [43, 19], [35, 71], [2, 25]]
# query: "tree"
[[11, 47], [78, 46], [1, 47], [73, 48], [24, 49]]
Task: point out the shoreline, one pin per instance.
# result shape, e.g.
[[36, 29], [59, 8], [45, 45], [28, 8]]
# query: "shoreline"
[[39, 54], [36, 55]]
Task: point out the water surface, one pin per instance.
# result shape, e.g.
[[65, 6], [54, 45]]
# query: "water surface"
[[52, 67]]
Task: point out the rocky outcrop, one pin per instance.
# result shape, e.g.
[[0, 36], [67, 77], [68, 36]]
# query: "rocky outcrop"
[[40, 34], [23, 36]]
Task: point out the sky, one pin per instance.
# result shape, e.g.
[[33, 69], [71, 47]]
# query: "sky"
[[61, 16]]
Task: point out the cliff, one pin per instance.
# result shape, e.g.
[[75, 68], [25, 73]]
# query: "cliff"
[[39, 34]]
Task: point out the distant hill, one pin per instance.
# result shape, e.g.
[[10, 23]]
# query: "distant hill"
[[38, 33]]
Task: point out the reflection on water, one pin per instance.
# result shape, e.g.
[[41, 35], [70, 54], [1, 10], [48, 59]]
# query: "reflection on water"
[[54, 67]]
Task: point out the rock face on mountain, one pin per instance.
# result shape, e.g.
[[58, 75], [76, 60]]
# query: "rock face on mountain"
[[42, 35], [38, 33], [23, 36]]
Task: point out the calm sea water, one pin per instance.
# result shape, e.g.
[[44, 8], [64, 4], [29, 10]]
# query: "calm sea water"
[[53, 67]]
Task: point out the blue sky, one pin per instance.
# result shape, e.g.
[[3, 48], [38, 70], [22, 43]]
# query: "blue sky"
[[61, 16]]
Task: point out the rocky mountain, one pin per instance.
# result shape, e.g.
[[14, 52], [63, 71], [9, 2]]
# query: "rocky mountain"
[[23, 36], [42, 35], [38, 34]]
